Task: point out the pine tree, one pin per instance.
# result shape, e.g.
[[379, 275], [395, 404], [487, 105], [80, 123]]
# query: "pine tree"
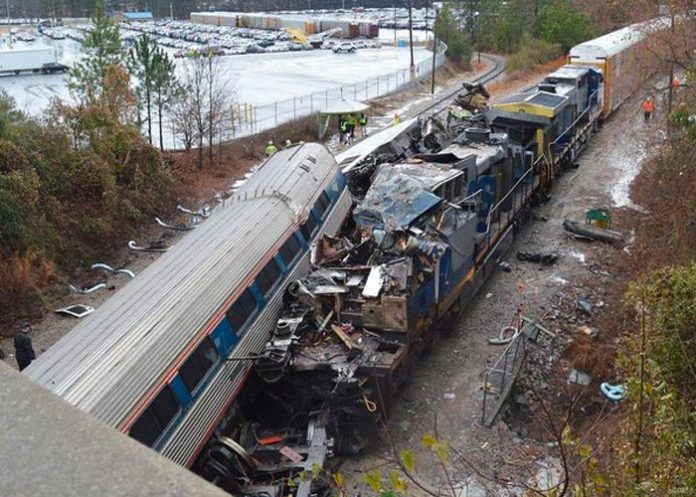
[[142, 64], [165, 86], [102, 49]]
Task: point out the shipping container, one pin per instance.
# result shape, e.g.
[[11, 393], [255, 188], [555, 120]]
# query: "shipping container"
[[26, 59]]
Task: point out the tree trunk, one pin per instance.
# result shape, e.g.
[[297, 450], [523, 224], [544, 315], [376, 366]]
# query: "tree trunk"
[[159, 113], [200, 152], [149, 110], [210, 110]]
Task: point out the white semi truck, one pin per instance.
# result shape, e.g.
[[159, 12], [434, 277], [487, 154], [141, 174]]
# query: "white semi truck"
[[29, 59]]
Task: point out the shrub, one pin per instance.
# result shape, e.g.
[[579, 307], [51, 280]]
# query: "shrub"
[[562, 23], [532, 53], [449, 30]]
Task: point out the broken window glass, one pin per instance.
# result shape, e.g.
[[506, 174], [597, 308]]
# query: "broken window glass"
[[309, 228], [322, 204]]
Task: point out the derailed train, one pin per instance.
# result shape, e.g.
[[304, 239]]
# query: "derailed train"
[[275, 333]]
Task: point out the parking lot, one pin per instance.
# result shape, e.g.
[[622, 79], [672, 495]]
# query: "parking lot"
[[262, 69], [257, 79]]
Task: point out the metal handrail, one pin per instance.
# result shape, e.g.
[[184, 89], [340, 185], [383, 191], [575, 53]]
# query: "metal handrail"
[[582, 114]]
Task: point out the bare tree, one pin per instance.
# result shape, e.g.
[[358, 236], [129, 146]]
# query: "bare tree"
[[182, 118], [219, 96], [199, 113]]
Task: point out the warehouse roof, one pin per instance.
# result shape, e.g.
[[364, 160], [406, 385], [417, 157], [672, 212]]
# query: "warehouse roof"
[[138, 16]]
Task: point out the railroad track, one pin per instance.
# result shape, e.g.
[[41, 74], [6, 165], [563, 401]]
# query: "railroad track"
[[441, 103]]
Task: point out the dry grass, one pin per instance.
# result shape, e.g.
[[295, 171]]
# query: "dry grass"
[[521, 79], [23, 279]]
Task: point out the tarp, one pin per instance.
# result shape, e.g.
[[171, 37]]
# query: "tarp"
[[345, 107], [335, 108], [394, 202]]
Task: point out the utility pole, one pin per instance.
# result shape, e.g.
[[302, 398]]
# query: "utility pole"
[[8, 10], [410, 32], [395, 42], [432, 76], [671, 74], [171, 11]]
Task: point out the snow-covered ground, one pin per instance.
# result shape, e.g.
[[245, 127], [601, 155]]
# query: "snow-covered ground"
[[259, 79]]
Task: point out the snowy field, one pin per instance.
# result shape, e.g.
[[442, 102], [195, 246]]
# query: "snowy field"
[[258, 79]]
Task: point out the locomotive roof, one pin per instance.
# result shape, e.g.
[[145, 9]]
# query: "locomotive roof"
[[568, 72], [112, 357]]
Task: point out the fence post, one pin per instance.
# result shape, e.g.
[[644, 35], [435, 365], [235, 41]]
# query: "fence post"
[[367, 89], [378, 78], [355, 91], [311, 103], [294, 107], [275, 106], [326, 96]]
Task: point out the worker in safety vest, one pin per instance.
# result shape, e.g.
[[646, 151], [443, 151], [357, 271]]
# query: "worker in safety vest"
[[271, 149], [342, 128], [362, 121], [397, 119], [352, 124], [676, 83], [648, 109]]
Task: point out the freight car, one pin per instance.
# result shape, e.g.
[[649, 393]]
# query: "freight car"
[[618, 55]]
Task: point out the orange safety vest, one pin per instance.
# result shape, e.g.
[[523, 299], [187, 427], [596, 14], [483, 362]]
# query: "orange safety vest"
[[648, 106]]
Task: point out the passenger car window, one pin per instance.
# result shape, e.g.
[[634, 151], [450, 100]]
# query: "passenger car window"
[[309, 227], [241, 310], [198, 364], [152, 422], [322, 204], [290, 249], [268, 276]]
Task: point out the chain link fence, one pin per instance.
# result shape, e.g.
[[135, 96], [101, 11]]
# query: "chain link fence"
[[245, 119]]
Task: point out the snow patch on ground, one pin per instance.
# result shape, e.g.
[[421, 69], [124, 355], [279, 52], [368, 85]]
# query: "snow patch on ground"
[[578, 255], [629, 167]]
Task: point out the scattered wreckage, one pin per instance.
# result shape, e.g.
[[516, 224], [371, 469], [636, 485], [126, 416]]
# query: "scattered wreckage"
[[433, 214], [592, 232]]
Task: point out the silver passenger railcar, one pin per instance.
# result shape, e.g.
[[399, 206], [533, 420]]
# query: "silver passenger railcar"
[[153, 361]]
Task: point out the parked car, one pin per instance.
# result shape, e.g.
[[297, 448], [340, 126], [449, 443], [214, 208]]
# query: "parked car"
[[52, 67], [345, 47]]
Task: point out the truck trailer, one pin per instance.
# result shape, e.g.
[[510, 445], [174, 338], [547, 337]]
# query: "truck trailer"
[[30, 59]]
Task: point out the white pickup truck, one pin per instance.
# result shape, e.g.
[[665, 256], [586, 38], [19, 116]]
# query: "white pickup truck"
[[29, 59]]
